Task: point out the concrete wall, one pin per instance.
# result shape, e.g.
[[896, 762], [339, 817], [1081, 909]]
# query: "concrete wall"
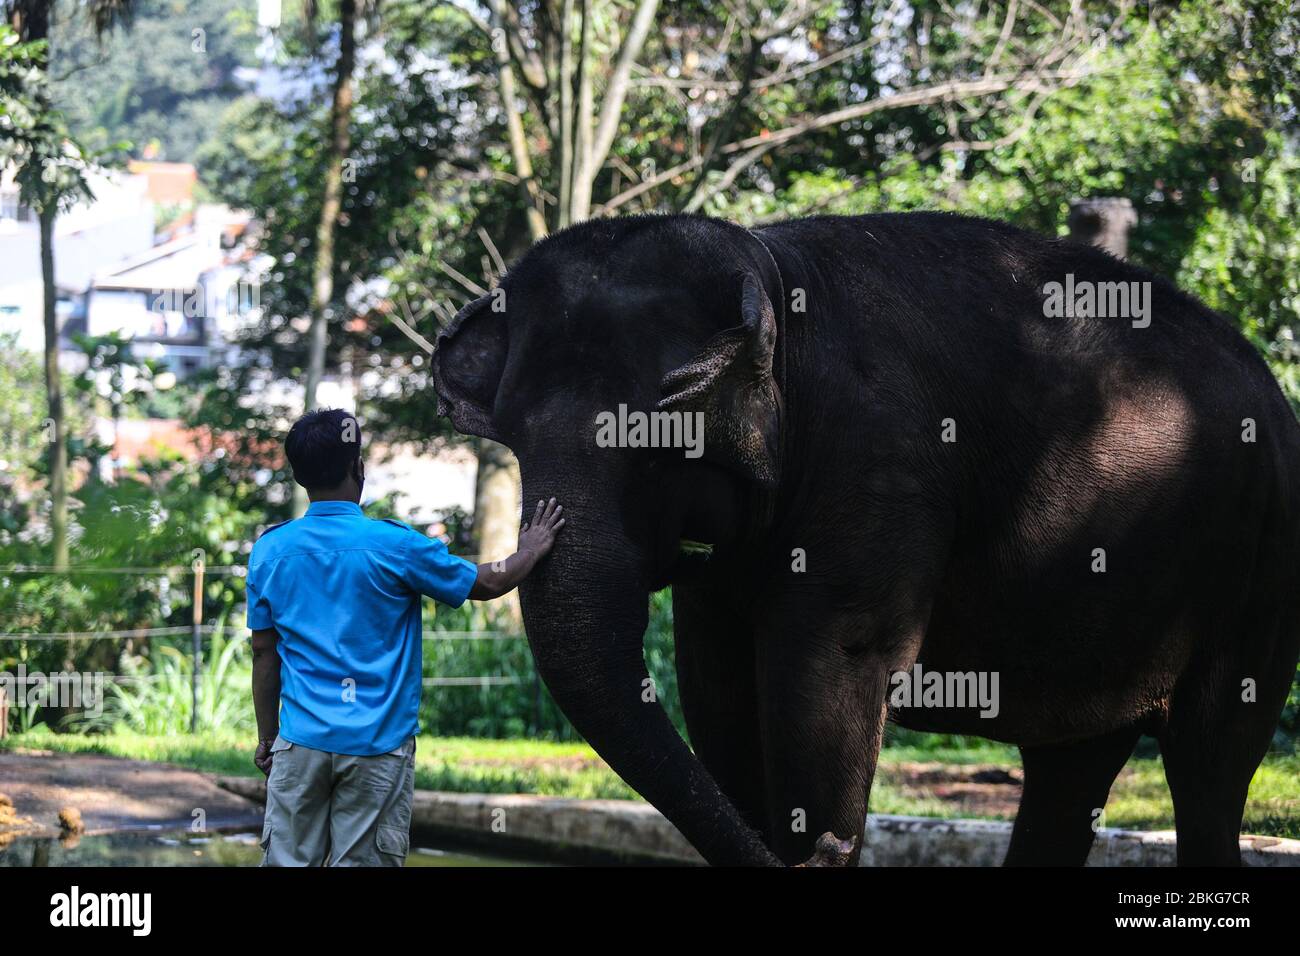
[[926, 841]]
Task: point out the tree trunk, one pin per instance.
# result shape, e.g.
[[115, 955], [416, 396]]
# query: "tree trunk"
[[54, 398], [531, 192], [1103, 222], [497, 512], [580, 193], [322, 289], [594, 143], [565, 144], [32, 22]]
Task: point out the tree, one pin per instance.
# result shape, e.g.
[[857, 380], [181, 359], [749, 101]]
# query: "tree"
[[752, 111], [704, 81], [51, 175], [340, 143], [162, 84]]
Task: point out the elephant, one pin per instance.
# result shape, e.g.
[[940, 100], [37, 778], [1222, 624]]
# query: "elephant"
[[931, 444]]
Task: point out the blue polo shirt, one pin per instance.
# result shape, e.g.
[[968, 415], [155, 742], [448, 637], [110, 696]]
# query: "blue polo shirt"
[[343, 592]]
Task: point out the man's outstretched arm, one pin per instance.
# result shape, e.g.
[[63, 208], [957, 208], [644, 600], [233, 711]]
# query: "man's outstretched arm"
[[536, 539], [266, 694]]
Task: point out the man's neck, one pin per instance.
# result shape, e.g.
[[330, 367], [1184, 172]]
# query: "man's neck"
[[339, 495]]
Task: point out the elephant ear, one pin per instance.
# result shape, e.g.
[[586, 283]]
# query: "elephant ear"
[[730, 381], [468, 362]]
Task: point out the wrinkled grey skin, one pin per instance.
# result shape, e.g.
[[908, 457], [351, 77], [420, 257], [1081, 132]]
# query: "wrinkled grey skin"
[[830, 359]]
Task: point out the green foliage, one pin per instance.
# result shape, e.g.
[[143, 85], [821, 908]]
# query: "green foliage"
[[1208, 167], [524, 708], [156, 695], [398, 216], [49, 167], [160, 84], [1246, 261], [1288, 726], [114, 373], [23, 439], [155, 517]]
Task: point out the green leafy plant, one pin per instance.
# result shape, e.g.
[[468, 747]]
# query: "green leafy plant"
[[157, 697]]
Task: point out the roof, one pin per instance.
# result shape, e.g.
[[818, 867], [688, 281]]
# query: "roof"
[[172, 265]]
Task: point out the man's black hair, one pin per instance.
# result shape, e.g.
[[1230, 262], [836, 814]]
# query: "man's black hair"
[[322, 447]]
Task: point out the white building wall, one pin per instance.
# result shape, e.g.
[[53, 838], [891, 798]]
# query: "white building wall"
[[87, 239]]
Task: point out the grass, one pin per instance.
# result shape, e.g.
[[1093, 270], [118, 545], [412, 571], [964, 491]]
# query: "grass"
[[223, 753], [1139, 799], [461, 764]]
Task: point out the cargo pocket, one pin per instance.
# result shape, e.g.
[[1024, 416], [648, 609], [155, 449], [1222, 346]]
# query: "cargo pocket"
[[392, 841], [279, 757], [382, 773]]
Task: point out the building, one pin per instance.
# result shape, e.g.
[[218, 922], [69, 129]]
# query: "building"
[[90, 237], [144, 261], [179, 302], [178, 290]]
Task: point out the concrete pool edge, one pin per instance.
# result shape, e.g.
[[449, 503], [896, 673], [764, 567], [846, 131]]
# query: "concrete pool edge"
[[637, 832], [933, 841]]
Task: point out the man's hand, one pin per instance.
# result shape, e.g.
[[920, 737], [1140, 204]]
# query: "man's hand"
[[536, 538], [262, 757]]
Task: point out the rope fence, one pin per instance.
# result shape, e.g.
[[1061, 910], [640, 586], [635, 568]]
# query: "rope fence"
[[197, 630], [181, 629], [238, 570]]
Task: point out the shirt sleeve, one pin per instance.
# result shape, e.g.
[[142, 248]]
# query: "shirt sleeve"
[[259, 611], [433, 570]]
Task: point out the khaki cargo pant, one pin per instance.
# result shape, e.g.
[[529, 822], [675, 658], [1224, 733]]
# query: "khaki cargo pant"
[[327, 809]]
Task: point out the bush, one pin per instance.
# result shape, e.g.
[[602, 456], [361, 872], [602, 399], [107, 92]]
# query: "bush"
[[156, 696], [522, 707]]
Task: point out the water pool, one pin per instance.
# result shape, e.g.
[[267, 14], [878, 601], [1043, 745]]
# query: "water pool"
[[158, 848]]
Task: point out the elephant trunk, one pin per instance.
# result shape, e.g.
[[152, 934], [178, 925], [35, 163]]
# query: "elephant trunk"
[[585, 611]]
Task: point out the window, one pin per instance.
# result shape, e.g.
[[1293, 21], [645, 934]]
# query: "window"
[[12, 209]]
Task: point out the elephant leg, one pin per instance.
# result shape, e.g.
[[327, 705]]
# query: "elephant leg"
[[1209, 800], [1066, 786], [715, 678], [823, 717], [831, 632], [1212, 745]]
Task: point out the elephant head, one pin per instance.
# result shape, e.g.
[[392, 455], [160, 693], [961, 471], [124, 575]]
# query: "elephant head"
[[596, 326]]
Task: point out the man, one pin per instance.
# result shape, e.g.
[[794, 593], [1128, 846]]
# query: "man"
[[334, 607]]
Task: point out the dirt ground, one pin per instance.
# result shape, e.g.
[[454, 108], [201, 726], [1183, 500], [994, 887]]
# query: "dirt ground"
[[970, 790], [111, 794]]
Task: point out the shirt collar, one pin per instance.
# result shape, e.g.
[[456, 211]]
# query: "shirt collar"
[[325, 508]]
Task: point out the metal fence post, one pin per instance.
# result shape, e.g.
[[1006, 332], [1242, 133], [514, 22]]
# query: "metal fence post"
[[196, 642]]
